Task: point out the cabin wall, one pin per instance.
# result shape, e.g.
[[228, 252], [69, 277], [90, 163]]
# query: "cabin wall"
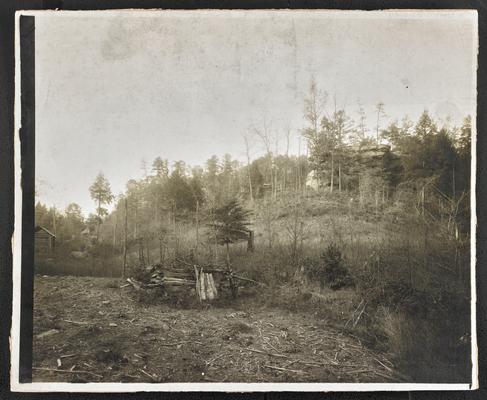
[[44, 243]]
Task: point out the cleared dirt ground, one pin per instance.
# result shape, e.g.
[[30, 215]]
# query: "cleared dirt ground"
[[92, 330]]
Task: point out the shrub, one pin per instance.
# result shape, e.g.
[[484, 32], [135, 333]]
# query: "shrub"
[[330, 270], [335, 273], [311, 268], [417, 314]]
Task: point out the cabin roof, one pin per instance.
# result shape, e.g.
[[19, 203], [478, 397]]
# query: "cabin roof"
[[41, 228]]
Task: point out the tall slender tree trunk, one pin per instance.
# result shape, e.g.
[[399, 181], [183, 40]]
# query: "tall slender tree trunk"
[[250, 180], [250, 189], [275, 183], [135, 227], [287, 160], [376, 202], [147, 251], [453, 181], [124, 265], [298, 180], [216, 249], [227, 247], [377, 127], [332, 173], [115, 232], [250, 242], [422, 201], [360, 191], [178, 240], [98, 222], [339, 176], [197, 230], [231, 281], [54, 220], [141, 252], [305, 187], [161, 256]]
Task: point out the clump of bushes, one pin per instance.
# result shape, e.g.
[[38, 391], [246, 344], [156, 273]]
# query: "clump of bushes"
[[141, 272], [330, 270], [421, 320]]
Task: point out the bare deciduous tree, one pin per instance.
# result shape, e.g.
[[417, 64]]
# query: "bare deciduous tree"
[[247, 138]]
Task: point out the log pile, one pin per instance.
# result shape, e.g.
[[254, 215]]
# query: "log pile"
[[171, 277], [205, 284], [200, 278]]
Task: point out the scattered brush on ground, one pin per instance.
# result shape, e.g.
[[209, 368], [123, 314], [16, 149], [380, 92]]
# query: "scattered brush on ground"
[[103, 334]]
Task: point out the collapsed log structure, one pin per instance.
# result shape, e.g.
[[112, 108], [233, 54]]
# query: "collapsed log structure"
[[206, 280]]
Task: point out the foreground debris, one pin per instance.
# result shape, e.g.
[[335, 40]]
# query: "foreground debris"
[[162, 343]]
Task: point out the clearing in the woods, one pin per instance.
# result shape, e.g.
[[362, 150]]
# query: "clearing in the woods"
[[94, 330]]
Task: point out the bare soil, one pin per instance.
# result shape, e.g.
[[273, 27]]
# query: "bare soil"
[[94, 330]]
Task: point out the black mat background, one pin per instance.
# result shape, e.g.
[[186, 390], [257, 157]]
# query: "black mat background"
[[7, 10]]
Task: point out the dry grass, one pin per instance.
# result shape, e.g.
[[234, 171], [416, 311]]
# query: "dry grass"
[[412, 280]]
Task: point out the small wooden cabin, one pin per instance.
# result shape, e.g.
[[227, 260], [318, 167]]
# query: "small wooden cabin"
[[44, 240]]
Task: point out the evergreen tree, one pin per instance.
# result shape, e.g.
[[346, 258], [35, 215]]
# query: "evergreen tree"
[[160, 168], [101, 193], [229, 222], [425, 126]]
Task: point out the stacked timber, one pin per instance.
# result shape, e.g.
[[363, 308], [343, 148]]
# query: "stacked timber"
[[177, 281], [205, 284], [171, 276]]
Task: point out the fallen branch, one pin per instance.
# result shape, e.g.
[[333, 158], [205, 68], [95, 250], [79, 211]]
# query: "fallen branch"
[[267, 353], [358, 318], [294, 371], [170, 282], [76, 322], [316, 364], [383, 375], [134, 283], [354, 312], [291, 363], [176, 344], [360, 371], [69, 355], [208, 363], [385, 366], [214, 380], [67, 371], [132, 376], [249, 280], [146, 373]]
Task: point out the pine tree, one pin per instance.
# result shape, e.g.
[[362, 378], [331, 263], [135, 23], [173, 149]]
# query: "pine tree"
[[425, 126], [230, 222], [160, 168], [101, 193]]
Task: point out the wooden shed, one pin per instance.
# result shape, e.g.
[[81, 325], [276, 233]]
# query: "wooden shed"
[[45, 241]]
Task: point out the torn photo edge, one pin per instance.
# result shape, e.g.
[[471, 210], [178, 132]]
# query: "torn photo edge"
[[22, 240]]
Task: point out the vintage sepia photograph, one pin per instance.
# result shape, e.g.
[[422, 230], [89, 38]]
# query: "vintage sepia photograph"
[[274, 196]]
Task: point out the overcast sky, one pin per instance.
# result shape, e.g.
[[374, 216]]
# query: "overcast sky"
[[113, 89]]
